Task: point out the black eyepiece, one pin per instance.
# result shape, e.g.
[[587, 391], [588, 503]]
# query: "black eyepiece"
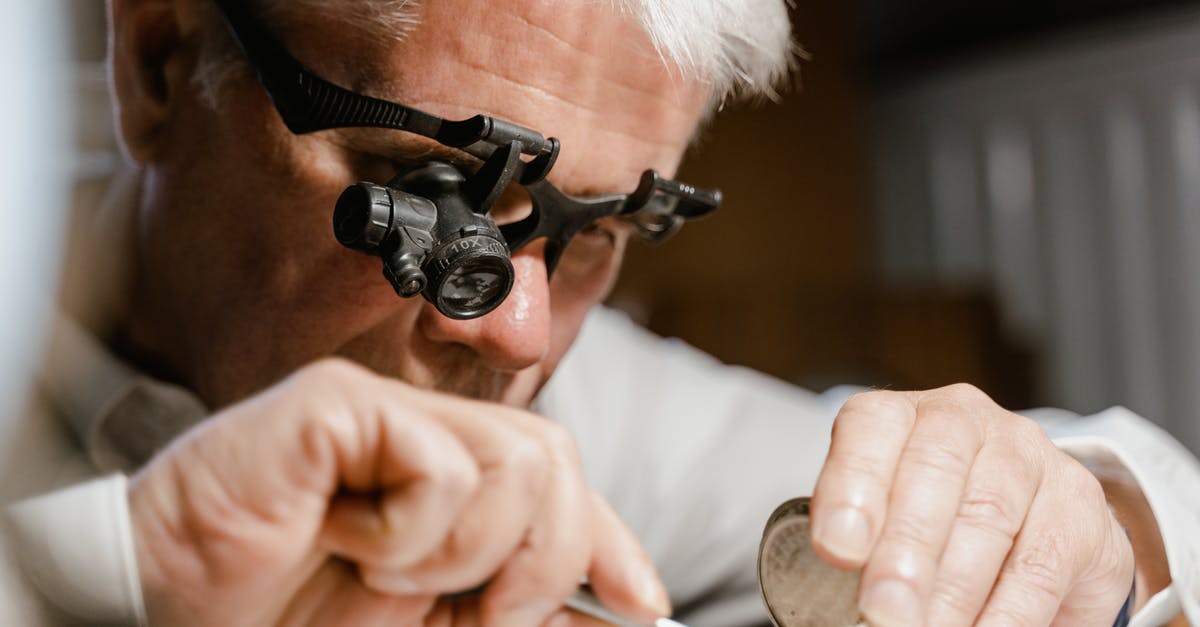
[[434, 244], [362, 217]]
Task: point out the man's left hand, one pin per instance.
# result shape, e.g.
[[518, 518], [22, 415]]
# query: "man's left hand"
[[962, 513]]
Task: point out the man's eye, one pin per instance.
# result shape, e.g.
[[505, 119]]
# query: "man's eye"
[[369, 166], [597, 231], [593, 248]]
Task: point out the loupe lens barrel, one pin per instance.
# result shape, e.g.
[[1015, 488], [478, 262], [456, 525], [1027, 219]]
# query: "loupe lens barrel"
[[469, 277], [363, 217]]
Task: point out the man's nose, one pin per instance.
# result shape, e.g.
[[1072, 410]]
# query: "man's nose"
[[516, 334]]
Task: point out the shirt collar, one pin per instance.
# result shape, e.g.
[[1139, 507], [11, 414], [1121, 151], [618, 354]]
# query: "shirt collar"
[[120, 415]]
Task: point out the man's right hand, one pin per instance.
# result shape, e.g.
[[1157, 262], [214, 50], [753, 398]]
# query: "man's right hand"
[[341, 497]]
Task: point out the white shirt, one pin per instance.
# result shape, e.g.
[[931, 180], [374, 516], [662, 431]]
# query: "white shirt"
[[694, 456]]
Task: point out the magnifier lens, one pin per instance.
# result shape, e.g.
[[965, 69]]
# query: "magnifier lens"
[[473, 287], [469, 277]]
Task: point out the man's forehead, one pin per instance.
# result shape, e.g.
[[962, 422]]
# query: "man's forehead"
[[532, 33], [578, 70]]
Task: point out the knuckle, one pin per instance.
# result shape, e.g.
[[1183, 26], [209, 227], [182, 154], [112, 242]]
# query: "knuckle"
[[947, 411], [953, 595], [524, 455], [939, 453], [963, 405], [953, 420], [967, 393], [1041, 567], [907, 531], [457, 480], [1024, 444], [858, 466], [1028, 433], [331, 378], [990, 510], [878, 402], [1082, 486], [1024, 468], [560, 443]]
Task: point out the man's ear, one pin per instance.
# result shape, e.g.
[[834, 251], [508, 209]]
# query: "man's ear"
[[149, 69]]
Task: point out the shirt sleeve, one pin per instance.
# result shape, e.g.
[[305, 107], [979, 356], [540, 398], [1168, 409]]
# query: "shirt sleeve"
[[1169, 477], [76, 546]]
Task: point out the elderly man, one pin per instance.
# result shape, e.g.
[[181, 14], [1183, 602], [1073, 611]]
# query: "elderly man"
[[407, 482]]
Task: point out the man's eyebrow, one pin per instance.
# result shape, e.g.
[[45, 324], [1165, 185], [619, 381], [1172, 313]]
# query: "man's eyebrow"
[[407, 149], [403, 147]]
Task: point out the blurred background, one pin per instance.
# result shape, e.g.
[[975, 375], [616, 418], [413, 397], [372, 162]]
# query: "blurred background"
[[1005, 192]]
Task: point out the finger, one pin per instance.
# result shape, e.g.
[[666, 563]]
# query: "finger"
[[620, 574], [928, 484], [998, 494], [850, 497], [513, 478], [1056, 545], [427, 478], [553, 558], [334, 596]]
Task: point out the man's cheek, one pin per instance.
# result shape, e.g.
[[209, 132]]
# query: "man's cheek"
[[572, 296]]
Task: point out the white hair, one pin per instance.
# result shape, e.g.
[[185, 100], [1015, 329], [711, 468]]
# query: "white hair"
[[740, 48]]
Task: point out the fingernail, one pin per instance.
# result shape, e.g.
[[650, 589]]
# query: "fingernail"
[[397, 585], [844, 533], [652, 592], [891, 603]]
